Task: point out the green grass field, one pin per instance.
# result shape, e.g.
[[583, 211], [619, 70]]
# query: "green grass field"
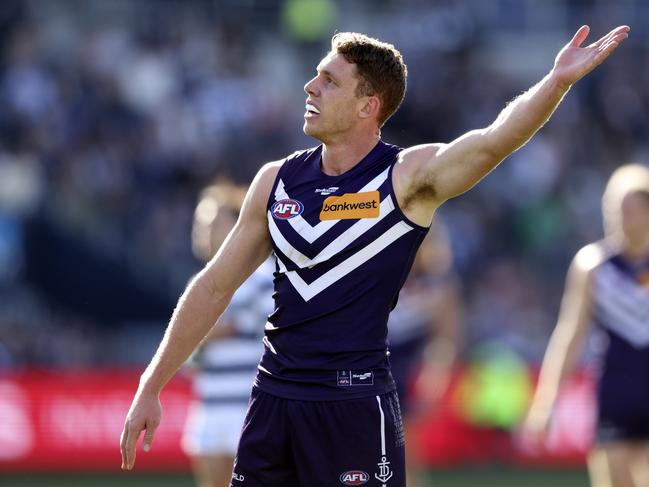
[[469, 477]]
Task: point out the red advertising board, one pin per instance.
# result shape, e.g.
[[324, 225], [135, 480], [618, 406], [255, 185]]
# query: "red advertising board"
[[72, 420]]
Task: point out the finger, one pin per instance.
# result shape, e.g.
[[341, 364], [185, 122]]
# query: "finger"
[[606, 51], [621, 30], [133, 433], [617, 40], [122, 446], [148, 435], [580, 36]]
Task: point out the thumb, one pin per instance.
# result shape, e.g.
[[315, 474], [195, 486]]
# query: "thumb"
[[148, 436], [580, 36]]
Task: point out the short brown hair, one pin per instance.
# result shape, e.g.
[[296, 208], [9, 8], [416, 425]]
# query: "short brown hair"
[[380, 68]]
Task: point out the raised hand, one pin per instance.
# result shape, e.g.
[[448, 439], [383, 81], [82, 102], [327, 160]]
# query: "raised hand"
[[574, 62]]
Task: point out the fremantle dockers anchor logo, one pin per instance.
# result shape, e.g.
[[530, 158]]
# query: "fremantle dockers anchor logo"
[[385, 473]]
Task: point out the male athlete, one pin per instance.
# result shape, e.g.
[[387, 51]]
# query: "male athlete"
[[344, 221]]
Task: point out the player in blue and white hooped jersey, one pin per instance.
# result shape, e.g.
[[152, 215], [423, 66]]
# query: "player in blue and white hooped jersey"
[[424, 333], [343, 221], [608, 286], [224, 366]]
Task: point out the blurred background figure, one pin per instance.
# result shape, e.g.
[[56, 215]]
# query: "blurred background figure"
[[424, 332], [608, 285], [225, 365]]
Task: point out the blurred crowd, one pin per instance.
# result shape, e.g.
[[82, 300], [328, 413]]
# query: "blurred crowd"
[[114, 114]]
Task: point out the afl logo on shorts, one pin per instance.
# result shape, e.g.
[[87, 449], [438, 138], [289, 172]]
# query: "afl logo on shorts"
[[354, 477], [286, 209]]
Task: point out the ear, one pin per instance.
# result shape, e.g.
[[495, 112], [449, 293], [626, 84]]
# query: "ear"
[[370, 107]]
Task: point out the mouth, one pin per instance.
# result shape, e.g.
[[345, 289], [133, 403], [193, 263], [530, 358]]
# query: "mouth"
[[311, 111]]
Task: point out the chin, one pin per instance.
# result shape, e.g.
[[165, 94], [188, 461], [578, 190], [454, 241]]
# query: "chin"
[[310, 131]]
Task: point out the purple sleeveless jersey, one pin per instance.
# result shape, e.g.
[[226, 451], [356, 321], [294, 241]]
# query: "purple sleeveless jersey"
[[621, 309], [343, 250]]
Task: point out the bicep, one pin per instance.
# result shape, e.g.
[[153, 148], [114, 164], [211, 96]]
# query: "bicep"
[[451, 169]]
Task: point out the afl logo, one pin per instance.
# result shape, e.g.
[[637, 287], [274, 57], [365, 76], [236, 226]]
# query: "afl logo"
[[287, 209], [354, 477]]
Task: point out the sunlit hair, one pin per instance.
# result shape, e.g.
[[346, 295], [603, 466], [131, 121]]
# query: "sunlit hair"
[[627, 179], [380, 67]]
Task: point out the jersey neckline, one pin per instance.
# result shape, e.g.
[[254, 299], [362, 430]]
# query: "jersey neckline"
[[317, 161]]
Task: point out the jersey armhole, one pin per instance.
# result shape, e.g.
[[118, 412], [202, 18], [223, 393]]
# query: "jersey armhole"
[[397, 207]]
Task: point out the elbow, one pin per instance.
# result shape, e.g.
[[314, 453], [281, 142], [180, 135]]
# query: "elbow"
[[213, 288], [496, 146]]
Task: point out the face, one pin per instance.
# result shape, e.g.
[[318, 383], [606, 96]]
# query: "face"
[[212, 224], [333, 108], [635, 216]]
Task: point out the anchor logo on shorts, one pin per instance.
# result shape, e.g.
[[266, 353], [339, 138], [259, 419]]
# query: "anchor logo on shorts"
[[385, 473]]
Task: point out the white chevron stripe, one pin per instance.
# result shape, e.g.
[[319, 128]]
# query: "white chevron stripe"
[[333, 275], [340, 243], [634, 332], [622, 305], [304, 228]]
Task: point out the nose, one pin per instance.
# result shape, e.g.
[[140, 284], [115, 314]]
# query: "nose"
[[310, 87]]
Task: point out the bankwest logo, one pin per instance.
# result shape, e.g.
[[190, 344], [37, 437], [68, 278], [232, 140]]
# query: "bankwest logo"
[[351, 206], [354, 477], [287, 209]]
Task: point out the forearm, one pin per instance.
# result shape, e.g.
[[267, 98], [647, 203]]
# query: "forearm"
[[557, 365], [523, 117], [197, 311]]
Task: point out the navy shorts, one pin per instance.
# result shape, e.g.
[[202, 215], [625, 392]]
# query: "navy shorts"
[[628, 427], [290, 443], [623, 408]]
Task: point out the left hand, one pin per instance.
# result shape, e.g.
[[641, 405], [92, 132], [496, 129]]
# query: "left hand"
[[431, 384], [574, 62]]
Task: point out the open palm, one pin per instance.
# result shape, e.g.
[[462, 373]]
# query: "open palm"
[[573, 62]]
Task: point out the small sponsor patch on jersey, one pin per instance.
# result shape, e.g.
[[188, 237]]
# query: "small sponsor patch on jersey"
[[363, 378], [355, 378], [351, 206], [286, 209], [354, 477], [327, 191]]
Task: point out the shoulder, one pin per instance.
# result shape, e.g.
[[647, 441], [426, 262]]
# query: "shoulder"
[[411, 162], [260, 189], [293, 164], [269, 171], [590, 257], [412, 158], [414, 185], [262, 186]]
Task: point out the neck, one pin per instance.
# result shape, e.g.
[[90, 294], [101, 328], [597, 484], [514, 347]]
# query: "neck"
[[338, 158], [636, 249]]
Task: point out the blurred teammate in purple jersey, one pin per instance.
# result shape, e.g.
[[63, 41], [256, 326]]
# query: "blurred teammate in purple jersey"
[[344, 221], [608, 285]]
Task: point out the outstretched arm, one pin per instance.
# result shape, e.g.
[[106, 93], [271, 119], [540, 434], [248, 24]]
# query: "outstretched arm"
[[430, 174], [198, 309]]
